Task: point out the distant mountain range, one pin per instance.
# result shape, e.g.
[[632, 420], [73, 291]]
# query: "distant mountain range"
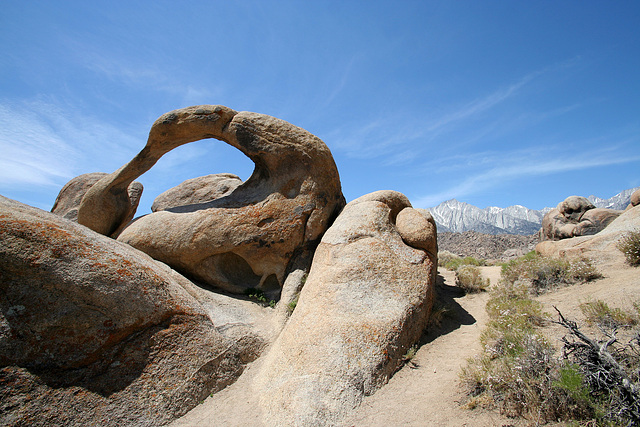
[[455, 216]]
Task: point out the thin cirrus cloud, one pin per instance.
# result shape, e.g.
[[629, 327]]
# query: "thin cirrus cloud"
[[521, 165], [379, 137], [156, 72], [45, 143]]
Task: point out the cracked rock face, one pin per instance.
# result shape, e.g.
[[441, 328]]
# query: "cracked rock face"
[[576, 216], [246, 238], [366, 300]]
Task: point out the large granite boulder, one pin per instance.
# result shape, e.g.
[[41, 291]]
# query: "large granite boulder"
[[601, 246], [634, 199], [366, 301], [68, 201], [197, 190], [94, 332], [248, 238], [573, 207], [575, 216]]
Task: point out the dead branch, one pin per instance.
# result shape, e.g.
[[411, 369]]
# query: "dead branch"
[[601, 369]]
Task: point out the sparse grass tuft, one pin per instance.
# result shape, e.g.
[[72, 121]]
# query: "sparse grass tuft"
[[469, 278], [259, 296], [411, 353], [439, 312], [599, 313], [629, 245], [292, 306]]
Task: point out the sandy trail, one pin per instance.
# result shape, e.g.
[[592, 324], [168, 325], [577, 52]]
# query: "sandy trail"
[[426, 389], [429, 394], [426, 392]]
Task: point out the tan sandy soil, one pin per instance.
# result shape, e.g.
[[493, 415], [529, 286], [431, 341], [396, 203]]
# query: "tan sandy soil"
[[426, 391]]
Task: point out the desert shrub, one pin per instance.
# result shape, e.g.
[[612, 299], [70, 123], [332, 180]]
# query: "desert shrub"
[[519, 373], [510, 302], [456, 263], [599, 313], [469, 278], [610, 370], [545, 273], [582, 270], [629, 245], [518, 370], [445, 257]]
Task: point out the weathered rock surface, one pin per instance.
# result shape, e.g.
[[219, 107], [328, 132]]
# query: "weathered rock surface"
[[68, 201], [197, 190], [595, 220], [95, 332], [248, 238], [365, 302], [575, 216], [601, 244], [573, 207]]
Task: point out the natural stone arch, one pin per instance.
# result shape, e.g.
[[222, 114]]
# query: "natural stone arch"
[[280, 211]]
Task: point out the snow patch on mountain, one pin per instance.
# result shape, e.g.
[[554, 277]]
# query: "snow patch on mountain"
[[456, 216]]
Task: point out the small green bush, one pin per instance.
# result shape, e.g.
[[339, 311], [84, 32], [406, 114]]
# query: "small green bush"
[[571, 380], [445, 257], [629, 245], [292, 306], [469, 278], [259, 296]]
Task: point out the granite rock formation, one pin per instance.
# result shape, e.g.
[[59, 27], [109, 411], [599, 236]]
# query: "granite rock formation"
[[247, 238], [68, 201], [600, 245], [202, 189], [365, 303], [93, 331], [575, 216]]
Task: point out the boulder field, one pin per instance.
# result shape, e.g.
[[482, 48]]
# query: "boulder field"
[[139, 330]]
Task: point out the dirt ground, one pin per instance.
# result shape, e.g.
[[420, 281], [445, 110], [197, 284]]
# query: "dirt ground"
[[426, 392]]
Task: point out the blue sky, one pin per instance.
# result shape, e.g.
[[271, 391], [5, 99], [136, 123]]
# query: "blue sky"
[[494, 103]]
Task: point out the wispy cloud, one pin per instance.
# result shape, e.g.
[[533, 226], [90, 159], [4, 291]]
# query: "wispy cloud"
[[44, 143], [155, 71], [387, 135], [498, 169], [400, 136]]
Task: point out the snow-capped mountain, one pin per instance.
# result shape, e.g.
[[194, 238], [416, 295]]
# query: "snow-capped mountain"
[[456, 216], [620, 201]]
